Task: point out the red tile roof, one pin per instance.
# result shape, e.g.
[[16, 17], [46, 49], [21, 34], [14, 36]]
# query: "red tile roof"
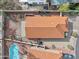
[[38, 53], [46, 26]]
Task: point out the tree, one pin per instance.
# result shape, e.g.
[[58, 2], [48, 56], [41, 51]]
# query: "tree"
[[77, 8], [74, 6], [9, 5], [64, 7]]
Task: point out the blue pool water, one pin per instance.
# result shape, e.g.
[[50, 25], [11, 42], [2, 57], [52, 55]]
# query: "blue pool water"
[[68, 56], [14, 51]]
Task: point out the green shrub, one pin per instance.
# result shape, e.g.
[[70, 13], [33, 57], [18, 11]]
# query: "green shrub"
[[74, 34], [70, 47]]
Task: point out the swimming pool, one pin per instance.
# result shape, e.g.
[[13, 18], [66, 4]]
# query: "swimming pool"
[[14, 51]]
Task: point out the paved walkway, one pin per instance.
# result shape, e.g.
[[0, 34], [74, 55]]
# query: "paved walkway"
[[75, 21]]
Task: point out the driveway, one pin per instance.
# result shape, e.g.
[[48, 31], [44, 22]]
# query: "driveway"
[[76, 26], [75, 21]]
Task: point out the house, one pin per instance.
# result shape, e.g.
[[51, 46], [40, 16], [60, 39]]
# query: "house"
[[46, 26], [75, 1], [40, 53]]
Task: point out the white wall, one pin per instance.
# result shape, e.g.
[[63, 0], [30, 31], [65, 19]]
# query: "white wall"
[[1, 22], [23, 33]]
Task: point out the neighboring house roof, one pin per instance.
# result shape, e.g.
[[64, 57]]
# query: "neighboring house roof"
[[34, 1], [46, 26], [58, 2], [40, 53], [75, 1], [23, 0]]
